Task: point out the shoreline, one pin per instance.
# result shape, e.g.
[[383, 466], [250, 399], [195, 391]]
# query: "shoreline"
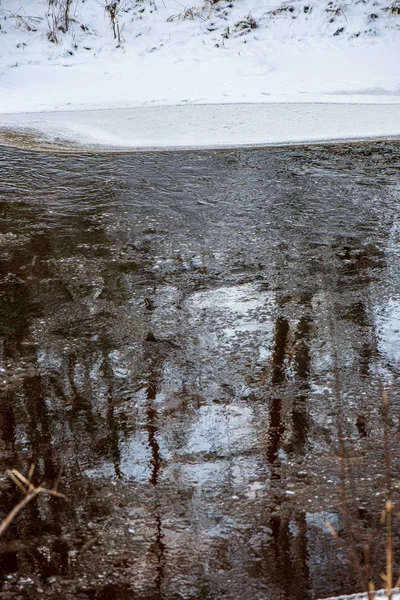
[[201, 127]]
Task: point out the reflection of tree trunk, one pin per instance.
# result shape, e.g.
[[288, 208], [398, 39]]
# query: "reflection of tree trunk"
[[152, 429], [24, 407], [290, 536], [113, 437], [300, 423], [276, 430], [159, 549], [301, 570], [300, 418], [7, 423], [154, 362], [280, 347], [291, 556], [158, 546], [283, 564], [39, 428], [112, 424], [276, 427]]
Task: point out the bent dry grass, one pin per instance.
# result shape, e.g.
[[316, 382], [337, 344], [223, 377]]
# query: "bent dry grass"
[[390, 585], [30, 492], [363, 556]]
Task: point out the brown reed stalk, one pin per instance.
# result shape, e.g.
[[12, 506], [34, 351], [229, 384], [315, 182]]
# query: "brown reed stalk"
[[30, 492]]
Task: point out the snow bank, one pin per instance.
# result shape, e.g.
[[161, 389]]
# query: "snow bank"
[[202, 52], [211, 126], [209, 52]]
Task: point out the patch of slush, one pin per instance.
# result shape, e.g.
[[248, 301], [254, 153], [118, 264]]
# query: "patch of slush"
[[388, 330], [243, 308], [237, 319], [134, 462], [223, 430], [239, 299]]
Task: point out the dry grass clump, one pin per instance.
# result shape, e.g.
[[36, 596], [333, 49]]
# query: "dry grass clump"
[[58, 18], [113, 9], [30, 492]]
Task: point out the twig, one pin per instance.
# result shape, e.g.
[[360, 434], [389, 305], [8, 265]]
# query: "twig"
[[30, 491]]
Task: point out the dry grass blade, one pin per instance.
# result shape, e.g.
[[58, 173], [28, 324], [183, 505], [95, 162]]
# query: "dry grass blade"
[[389, 550], [331, 529], [31, 471], [14, 474], [371, 590], [53, 492], [17, 482], [29, 490]]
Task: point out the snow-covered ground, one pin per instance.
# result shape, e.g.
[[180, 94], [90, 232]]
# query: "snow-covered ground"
[[213, 51], [212, 55], [379, 595]]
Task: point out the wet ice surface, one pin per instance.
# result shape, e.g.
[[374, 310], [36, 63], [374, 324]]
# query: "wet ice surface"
[[180, 333]]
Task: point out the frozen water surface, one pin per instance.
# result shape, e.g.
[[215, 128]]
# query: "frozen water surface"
[[181, 337]]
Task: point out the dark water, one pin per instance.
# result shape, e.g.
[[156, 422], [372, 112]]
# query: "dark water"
[[182, 337]]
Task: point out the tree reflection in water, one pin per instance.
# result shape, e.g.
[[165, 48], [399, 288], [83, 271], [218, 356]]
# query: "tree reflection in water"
[[166, 352]]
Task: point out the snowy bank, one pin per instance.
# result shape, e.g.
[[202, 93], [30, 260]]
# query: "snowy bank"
[[208, 126], [213, 51], [62, 55]]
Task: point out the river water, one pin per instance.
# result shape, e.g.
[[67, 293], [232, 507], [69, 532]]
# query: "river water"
[[189, 342]]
